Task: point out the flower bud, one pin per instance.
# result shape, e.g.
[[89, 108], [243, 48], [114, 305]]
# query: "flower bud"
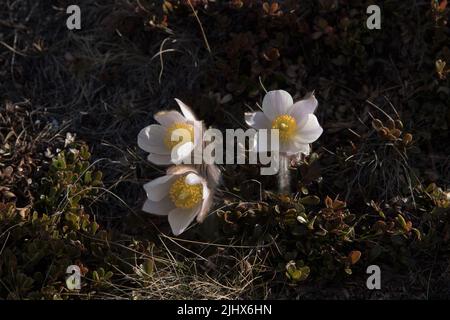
[[407, 138], [399, 124], [383, 132], [377, 124], [390, 124], [396, 133]]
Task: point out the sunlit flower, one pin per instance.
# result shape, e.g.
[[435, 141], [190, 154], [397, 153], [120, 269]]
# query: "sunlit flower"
[[296, 122], [158, 139], [183, 194]]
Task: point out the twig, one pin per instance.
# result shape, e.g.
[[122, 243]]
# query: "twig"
[[201, 27], [379, 109], [160, 53], [262, 85]]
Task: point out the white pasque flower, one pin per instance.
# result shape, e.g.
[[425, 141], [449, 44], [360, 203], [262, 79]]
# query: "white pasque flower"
[[296, 122], [174, 138], [183, 194]]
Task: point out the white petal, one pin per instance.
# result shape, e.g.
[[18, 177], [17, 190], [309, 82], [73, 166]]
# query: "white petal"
[[180, 219], [160, 149], [303, 107], [151, 139], [187, 112], [263, 142], [213, 175], [193, 179], [167, 118], [296, 147], [287, 147], [309, 129], [276, 103], [206, 206], [161, 208], [181, 151], [206, 191], [197, 148], [159, 187], [159, 159], [257, 120], [198, 132]]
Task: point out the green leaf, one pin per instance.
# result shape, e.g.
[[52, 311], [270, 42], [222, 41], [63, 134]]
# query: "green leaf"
[[310, 200], [311, 223], [94, 227], [88, 177], [296, 275], [305, 272], [417, 233], [401, 221]]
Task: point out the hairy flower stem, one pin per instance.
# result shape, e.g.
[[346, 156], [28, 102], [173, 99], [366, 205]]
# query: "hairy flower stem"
[[283, 176]]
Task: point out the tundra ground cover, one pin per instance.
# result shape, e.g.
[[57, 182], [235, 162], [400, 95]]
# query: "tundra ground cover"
[[374, 189]]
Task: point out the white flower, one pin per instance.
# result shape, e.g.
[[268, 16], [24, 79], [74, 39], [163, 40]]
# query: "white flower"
[[157, 139], [182, 194], [296, 122]]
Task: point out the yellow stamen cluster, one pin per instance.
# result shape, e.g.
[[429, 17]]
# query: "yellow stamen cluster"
[[184, 195], [286, 125], [185, 134]]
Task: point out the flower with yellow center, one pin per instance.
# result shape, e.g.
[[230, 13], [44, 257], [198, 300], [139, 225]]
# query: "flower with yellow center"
[[183, 194], [178, 132], [286, 125], [296, 123], [174, 138]]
